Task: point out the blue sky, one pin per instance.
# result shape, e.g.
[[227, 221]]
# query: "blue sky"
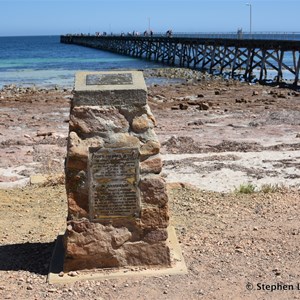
[[49, 17]]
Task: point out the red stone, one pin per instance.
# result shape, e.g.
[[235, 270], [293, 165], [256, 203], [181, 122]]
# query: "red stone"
[[153, 190]]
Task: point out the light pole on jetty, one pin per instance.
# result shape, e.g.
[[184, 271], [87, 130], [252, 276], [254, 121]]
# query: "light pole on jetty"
[[250, 6], [149, 27]]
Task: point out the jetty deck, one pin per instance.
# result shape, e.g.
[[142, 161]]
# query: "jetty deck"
[[232, 55]]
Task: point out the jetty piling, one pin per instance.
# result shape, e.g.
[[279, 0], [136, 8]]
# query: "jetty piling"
[[216, 55]]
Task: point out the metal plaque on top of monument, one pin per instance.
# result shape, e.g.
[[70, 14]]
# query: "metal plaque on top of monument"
[[109, 79], [113, 183]]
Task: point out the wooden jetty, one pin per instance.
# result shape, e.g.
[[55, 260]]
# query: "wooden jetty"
[[231, 56]]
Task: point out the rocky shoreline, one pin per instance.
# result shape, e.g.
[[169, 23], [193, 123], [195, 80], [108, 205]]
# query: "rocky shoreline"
[[162, 76], [227, 115]]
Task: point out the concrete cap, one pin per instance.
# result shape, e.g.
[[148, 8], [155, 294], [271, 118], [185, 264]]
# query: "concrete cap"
[[109, 80]]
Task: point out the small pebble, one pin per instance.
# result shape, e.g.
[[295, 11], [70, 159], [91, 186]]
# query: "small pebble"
[[73, 273]]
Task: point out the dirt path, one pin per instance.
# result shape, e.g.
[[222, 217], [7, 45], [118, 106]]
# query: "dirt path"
[[227, 241]]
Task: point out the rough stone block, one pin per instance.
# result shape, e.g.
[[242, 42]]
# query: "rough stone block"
[[149, 148], [146, 136], [77, 205], [122, 140], [141, 253], [79, 148], [153, 190], [92, 120], [92, 245], [141, 124], [154, 217], [77, 193], [75, 163], [151, 165], [154, 236]]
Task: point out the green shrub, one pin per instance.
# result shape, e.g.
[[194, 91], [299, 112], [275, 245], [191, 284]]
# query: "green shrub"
[[270, 188], [246, 188]]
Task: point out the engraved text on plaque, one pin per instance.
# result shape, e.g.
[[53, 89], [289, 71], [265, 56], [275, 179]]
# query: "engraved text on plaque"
[[113, 182]]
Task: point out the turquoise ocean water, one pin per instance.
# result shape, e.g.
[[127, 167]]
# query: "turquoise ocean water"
[[44, 61]]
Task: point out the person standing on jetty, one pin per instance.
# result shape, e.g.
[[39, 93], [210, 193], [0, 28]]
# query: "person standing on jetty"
[[169, 33]]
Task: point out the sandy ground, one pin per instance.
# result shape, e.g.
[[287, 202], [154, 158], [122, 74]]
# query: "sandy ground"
[[215, 136]]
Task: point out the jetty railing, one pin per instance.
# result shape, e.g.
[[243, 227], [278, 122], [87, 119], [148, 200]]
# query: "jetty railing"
[[283, 36]]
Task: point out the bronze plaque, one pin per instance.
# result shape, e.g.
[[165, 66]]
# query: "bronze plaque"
[[113, 183], [109, 79]]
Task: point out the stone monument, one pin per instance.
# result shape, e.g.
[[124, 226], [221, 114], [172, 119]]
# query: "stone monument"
[[117, 201]]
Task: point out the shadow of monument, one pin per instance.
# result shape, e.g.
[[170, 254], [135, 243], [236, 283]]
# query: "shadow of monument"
[[32, 257]]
